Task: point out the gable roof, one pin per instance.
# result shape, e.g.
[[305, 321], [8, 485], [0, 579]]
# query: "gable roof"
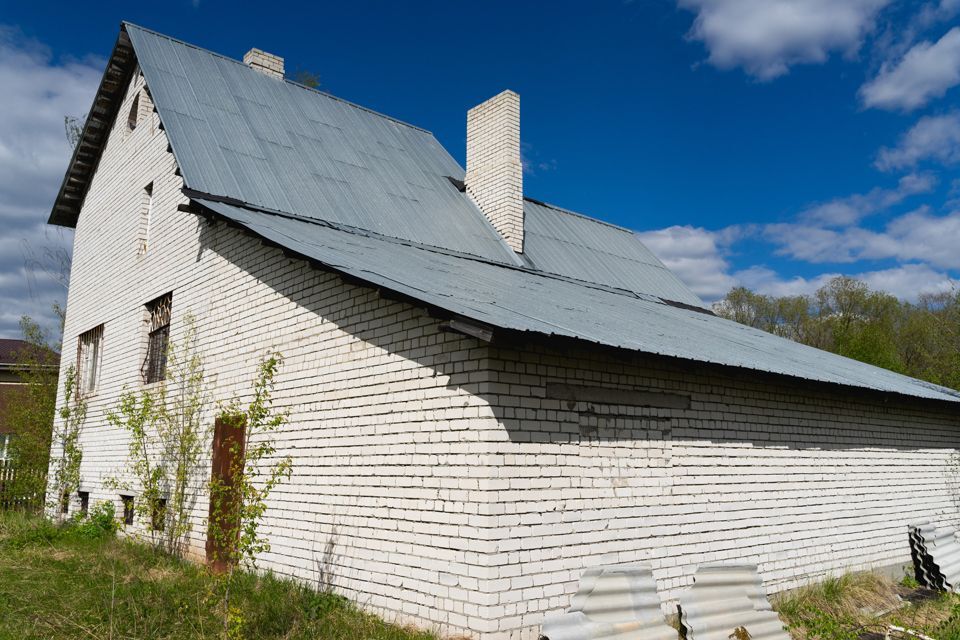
[[378, 200]]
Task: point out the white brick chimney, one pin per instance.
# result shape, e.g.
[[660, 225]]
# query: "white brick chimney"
[[494, 172], [264, 62]]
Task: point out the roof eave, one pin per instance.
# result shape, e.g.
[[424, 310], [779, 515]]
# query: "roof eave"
[[89, 148]]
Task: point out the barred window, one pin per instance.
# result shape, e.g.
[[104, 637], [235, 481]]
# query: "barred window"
[[155, 366], [89, 351]]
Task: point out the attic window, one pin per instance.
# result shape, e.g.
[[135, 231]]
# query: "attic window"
[[134, 116]]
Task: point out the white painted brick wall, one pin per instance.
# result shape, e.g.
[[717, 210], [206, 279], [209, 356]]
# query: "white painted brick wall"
[[435, 482]]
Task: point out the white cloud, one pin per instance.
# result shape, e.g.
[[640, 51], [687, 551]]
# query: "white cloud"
[[767, 37], [695, 255], [38, 92], [931, 138], [906, 282], [915, 236], [925, 72], [841, 212]]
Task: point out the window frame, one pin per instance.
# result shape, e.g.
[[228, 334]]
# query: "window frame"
[[88, 366], [159, 312]]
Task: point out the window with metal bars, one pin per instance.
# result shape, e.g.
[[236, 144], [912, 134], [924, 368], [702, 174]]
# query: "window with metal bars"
[[158, 339], [89, 350]]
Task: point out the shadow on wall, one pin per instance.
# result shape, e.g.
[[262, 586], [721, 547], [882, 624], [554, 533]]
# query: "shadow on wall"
[[606, 394]]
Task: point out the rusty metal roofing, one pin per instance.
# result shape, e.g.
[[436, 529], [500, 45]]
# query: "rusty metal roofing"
[[522, 299], [616, 602], [728, 601]]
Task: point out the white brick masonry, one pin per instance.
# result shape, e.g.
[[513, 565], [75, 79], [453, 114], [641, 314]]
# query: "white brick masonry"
[[264, 62], [442, 481], [494, 171]]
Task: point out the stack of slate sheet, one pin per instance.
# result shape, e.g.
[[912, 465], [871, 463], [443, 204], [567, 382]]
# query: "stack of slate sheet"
[[936, 556], [728, 601], [614, 603]]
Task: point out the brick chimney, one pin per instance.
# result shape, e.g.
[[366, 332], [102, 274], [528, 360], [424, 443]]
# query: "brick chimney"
[[264, 62], [494, 172]]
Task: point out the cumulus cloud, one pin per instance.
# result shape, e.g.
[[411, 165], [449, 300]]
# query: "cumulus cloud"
[[925, 72], [841, 212], [915, 236], [695, 255], [38, 91], [931, 138], [767, 37], [906, 282]]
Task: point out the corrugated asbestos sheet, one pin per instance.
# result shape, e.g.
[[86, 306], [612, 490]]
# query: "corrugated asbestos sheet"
[[615, 603], [728, 601], [526, 300], [569, 244], [936, 556], [273, 144]]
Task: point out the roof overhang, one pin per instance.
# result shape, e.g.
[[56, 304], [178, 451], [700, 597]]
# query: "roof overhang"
[[96, 129]]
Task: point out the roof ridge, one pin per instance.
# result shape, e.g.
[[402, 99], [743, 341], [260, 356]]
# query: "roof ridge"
[[126, 23]]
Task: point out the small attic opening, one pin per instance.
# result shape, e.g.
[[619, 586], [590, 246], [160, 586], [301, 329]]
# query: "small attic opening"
[[134, 116]]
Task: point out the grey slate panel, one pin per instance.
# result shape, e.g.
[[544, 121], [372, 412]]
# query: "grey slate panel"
[[569, 244], [525, 300], [236, 133]]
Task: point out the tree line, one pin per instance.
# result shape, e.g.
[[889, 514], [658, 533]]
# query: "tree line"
[[845, 316]]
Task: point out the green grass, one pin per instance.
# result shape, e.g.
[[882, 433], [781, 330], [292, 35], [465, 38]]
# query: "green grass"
[[81, 582], [842, 608]]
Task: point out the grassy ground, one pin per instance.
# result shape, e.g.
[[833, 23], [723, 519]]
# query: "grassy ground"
[[855, 605], [81, 582], [78, 582]]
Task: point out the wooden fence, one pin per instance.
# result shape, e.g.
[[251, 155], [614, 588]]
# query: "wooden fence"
[[15, 494]]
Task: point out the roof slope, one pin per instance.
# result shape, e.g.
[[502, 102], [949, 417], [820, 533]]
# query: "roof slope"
[[274, 144], [522, 299], [373, 198]]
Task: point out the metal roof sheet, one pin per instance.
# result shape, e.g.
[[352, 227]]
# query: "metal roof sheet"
[[274, 144], [522, 299], [567, 243]]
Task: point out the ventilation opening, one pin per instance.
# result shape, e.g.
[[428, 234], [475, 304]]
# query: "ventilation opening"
[[134, 116], [84, 502], [127, 509]]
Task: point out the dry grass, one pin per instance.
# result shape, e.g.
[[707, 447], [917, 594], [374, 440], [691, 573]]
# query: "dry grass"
[[848, 606]]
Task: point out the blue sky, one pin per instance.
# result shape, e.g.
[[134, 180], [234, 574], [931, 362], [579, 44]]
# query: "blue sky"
[[769, 143]]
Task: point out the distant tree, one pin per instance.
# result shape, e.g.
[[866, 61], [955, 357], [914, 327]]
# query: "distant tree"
[[307, 78], [31, 414], [73, 128], [846, 317]]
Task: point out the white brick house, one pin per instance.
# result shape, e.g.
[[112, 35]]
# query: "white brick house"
[[487, 394]]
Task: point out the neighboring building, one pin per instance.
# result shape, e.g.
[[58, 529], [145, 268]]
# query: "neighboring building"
[[487, 394], [13, 355]]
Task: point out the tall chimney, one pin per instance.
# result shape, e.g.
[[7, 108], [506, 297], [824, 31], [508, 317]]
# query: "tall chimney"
[[264, 62], [494, 172]]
